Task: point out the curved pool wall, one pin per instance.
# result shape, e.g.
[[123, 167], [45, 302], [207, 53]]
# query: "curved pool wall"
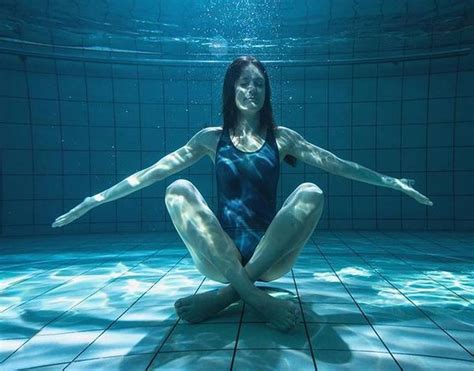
[[76, 118]]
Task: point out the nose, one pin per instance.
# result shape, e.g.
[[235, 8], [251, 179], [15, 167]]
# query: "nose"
[[252, 87]]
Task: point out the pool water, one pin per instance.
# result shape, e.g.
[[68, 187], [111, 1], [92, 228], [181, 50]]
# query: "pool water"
[[373, 300]]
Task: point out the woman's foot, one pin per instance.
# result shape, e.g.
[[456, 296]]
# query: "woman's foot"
[[280, 314], [199, 307]]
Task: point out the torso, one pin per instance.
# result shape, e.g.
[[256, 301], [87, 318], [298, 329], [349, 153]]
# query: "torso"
[[250, 144], [247, 174]]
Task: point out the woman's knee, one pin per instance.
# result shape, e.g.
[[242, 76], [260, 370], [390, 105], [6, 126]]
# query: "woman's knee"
[[179, 192], [180, 187], [310, 193], [309, 201]]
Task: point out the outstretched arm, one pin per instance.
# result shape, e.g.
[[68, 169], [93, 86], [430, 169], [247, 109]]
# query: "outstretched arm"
[[172, 163], [318, 157]]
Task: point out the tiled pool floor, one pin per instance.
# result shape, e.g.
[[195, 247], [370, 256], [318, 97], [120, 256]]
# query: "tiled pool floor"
[[369, 300]]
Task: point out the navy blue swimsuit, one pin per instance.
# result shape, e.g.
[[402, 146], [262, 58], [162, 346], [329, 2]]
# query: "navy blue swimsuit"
[[246, 191]]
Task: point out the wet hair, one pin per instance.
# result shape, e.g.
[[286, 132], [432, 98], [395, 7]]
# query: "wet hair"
[[229, 108]]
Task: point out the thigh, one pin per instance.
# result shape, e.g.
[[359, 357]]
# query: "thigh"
[[305, 203], [196, 224]]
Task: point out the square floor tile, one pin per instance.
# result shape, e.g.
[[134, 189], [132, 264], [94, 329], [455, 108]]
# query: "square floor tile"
[[406, 315], [328, 336], [147, 316], [452, 317], [260, 336], [50, 349], [465, 338], [22, 324], [187, 337], [132, 362], [53, 367], [215, 360], [421, 363], [420, 341], [329, 360], [82, 320], [323, 292], [125, 341], [333, 313], [273, 359], [8, 346]]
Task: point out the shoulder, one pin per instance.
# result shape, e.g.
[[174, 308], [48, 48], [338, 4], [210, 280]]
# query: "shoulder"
[[286, 134], [286, 139], [210, 133], [211, 130], [207, 137], [284, 131]]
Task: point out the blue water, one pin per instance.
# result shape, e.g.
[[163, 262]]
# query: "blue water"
[[367, 299]]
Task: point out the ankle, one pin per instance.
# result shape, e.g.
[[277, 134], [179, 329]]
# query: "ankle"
[[229, 294]]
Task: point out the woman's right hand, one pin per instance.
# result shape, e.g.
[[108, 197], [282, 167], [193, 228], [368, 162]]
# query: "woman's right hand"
[[406, 186], [74, 213]]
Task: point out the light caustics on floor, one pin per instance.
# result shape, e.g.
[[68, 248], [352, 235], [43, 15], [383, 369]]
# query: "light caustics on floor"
[[379, 300]]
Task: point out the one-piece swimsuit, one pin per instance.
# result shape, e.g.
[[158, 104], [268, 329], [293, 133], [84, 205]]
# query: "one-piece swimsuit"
[[246, 190]]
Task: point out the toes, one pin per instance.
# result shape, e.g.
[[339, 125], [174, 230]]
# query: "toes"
[[182, 311], [178, 303], [282, 326], [184, 315], [297, 315], [180, 314], [183, 302]]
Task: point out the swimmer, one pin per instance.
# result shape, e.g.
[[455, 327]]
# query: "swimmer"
[[247, 239]]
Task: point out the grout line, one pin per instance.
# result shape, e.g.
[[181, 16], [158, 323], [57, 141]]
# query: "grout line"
[[424, 252], [114, 114], [136, 301], [56, 267], [234, 353], [427, 123], [401, 293], [305, 323], [355, 302], [163, 342], [418, 270], [86, 86], [62, 314], [453, 163]]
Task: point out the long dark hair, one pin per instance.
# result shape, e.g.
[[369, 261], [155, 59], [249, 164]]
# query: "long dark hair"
[[229, 108]]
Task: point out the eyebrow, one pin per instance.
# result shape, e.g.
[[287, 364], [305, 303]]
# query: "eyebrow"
[[248, 78]]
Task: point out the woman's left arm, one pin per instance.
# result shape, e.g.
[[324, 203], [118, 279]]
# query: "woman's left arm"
[[319, 157]]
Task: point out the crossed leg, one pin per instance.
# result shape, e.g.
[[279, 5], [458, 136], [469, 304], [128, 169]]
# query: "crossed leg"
[[216, 256]]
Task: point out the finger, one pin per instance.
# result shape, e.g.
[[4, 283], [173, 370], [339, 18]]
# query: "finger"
[[426, 201], [56, 222]]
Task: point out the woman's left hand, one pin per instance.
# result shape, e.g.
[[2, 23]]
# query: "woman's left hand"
[[405, 185]]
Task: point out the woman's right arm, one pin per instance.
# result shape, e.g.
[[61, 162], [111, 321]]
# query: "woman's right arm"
[[191, 152]]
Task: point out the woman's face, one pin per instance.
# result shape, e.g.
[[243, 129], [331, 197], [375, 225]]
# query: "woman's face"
[[250, 90]]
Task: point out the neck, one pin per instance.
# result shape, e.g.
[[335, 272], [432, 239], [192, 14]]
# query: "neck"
[[248, 123]]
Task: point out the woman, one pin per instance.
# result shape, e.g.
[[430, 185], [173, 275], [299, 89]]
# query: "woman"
[[248, 240]]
